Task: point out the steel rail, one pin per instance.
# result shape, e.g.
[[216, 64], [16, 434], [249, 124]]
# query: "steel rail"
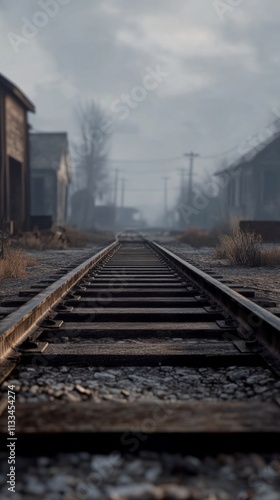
[[149, 273], [263, 324], [18, 324]]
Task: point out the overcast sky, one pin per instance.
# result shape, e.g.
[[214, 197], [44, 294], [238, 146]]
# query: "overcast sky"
[[217, 77]]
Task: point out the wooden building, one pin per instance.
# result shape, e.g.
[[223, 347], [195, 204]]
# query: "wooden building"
[[253, 185], [14, 155], [50, 176]]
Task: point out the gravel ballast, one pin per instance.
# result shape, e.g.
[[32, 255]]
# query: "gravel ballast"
[[144, 383], [148, 476]]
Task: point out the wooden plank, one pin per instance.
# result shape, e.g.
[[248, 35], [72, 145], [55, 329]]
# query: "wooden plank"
[[135, 275], [179, 353], [134, 268], [172, 417], [180, 291], [7, 366], [121, 291], [15, 133], [98, 330], [130, 279], [139, 314], [122, 282], [139, 327], [140, 302]]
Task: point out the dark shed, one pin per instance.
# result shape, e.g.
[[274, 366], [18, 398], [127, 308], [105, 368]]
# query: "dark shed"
[[50, 175], [14, 155], [252, 184]]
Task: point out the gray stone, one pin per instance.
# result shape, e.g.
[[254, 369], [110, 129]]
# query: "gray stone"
[[43, 461], [238, 375], [34, 487], [176, 492], [61, 483], [153, 473], [230, 388], [82, 390], [133, 491], [73, 397], [192, 464]]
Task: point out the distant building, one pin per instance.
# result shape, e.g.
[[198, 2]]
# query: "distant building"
[[129, 217], [50, 176], [14, 155], [82, 209], [253, 186]]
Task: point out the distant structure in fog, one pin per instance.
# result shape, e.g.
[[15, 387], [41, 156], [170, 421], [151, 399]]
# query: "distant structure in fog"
[[14, 155], [253, 190], [50, 177]]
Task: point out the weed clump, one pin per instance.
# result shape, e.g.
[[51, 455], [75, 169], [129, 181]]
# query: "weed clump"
[[241, 248], [14, 264]]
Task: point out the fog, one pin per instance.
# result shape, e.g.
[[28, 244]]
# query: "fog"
[[173, 77]]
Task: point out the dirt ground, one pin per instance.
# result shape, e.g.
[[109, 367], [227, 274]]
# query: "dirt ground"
[[45, 263]]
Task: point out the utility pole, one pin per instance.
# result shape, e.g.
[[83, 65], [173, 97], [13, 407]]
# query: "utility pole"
[[122, 193], [165, 179], [191, 156], [182, 185], [116, 187]]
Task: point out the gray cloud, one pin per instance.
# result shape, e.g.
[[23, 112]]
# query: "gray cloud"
[[223, 83]]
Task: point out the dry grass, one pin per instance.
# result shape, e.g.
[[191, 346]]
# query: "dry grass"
[[245, 249], [78, 238], [62, 238], [31, 241], [53, 239], [271, 257], [242, 248], [198, 238], [14, 264]]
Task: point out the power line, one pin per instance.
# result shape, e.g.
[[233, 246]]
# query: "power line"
[[147, 172], [212, 157], [153, 160], [151, 190], [174, 158]]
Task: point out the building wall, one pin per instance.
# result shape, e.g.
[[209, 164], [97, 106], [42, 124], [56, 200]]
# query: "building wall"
[[14, 170], [61, 203], [2, 156], [50, 176], [253, 194], [62, 190], [44, 193]]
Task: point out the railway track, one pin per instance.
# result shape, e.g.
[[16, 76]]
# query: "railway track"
[[135, 304]]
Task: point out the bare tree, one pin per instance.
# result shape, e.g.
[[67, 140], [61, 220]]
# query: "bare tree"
[[90, 155]]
